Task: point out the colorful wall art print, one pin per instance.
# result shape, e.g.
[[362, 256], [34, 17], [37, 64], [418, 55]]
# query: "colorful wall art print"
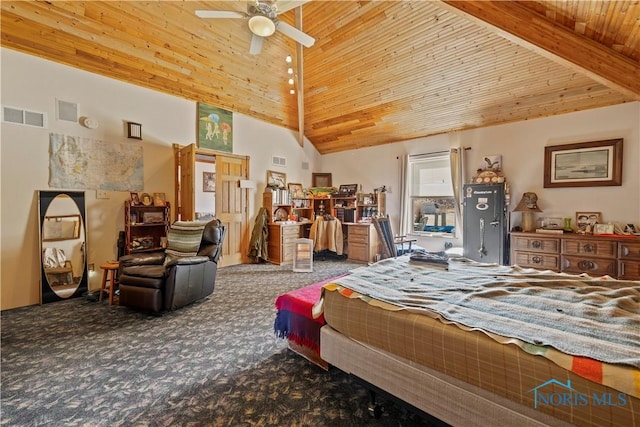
[[215, 128]]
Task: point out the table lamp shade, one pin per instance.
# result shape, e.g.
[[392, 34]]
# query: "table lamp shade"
[[528, 205]]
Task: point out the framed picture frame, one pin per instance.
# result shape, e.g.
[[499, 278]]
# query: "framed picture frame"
[[321, 180], [135, 199], [603, 229], [215, 128], [146, 200], [159, 199], [585, 164], [134, 130], [348, 190], [153, 217], [276, 179], [296, 189], [587, 220], [209, 182]]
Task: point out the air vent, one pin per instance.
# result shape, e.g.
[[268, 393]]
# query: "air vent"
[[278, 161], [20, 116], [67, 111]]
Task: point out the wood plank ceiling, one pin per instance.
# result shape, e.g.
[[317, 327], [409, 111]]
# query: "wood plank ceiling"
[[379, 72]]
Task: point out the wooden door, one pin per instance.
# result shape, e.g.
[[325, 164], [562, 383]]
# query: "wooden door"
[[232, 207], [185, 163]]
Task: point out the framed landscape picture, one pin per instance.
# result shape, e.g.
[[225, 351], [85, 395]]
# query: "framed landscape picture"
[[215, 128], [585, 164]]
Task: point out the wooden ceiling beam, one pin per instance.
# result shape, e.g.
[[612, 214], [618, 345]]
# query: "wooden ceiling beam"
[[528, 29]]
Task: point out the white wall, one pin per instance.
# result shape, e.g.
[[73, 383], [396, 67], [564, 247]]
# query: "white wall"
[[34, 84], [521, 145]]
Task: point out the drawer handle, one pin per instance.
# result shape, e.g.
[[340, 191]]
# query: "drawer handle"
[[536, 244], [586, 265], [588, 247], [537, 260]]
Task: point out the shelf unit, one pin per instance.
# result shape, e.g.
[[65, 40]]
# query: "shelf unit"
[[350, 209], [145, 227]]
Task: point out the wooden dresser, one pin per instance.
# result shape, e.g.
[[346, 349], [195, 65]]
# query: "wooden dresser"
[[618, 257]]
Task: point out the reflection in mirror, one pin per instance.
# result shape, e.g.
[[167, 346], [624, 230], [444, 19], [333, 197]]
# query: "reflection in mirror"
[[62, 244], [61, 227]]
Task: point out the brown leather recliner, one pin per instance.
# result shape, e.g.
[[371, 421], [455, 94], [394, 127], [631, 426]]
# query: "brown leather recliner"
[[146, 283]]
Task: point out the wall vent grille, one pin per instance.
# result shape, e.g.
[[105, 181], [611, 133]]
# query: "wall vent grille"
[[279, 161], [20, 116], [67, 111]]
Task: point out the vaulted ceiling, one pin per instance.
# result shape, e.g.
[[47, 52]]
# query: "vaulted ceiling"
[[379, 71]]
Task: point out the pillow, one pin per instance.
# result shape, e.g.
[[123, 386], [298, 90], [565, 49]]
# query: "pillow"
[[183, 240]]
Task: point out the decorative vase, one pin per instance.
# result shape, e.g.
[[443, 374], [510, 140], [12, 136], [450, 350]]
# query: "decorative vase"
[[567, 224]]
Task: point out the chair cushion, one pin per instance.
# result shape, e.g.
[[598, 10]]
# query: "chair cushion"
[[183, 240], [152, 271]]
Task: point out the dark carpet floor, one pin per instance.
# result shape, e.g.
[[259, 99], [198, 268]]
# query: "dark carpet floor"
[[214, 363]]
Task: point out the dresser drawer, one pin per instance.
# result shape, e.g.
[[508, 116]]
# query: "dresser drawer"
[[358, 252], [290, 233], [536, 244], [603, 248], [540, 261], [359, 234], [628, 270], [629, 250], [591, 266]]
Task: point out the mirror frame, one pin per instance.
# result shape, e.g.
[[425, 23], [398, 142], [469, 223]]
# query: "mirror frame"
[[45, 198]]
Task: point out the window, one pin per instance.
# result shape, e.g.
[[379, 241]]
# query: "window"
[[432, 206]]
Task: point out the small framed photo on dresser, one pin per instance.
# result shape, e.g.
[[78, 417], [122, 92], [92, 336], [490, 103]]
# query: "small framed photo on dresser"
[[586, 221]]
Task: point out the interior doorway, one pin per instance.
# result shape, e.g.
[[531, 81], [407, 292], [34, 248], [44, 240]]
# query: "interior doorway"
[[208, 186]]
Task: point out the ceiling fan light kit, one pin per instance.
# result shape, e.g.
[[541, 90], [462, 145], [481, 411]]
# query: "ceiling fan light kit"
[[263, 22], [261, 26]]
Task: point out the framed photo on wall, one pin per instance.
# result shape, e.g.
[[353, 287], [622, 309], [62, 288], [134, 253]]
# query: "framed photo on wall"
[[585, 164], [215, 128], [276, 179], [209, 182], [321, 180]]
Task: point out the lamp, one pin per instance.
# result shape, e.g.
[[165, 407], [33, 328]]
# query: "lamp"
[[261, 26], [528, 205]]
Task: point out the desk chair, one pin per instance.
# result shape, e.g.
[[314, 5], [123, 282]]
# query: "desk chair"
[[390, 243]]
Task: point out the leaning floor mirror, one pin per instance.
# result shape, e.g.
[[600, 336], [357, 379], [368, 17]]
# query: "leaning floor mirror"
[[63, 246]]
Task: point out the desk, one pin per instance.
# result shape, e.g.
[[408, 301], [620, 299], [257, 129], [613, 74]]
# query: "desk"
[[109, 269]]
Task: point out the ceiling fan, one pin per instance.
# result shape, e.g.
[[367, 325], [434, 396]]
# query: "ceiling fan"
[[262, 16]]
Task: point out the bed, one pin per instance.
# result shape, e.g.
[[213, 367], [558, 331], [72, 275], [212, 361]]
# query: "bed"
[[479, 344]]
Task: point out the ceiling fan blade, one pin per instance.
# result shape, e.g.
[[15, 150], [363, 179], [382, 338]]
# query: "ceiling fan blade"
[[219, 14], [285, 5], [256, 44], [294, 33]]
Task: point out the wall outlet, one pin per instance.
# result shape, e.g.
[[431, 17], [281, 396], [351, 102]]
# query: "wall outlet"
[[101, 194], [92, 267]]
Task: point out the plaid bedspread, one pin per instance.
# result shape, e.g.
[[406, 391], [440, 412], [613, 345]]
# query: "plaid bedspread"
[[590, 326]]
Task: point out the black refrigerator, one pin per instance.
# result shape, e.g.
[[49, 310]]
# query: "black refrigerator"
[[485, 225]]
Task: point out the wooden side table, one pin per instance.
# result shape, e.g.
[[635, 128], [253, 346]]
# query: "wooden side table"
[[109, 269]]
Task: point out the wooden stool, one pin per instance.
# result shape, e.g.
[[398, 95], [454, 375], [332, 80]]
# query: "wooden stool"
[[109, 267]]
